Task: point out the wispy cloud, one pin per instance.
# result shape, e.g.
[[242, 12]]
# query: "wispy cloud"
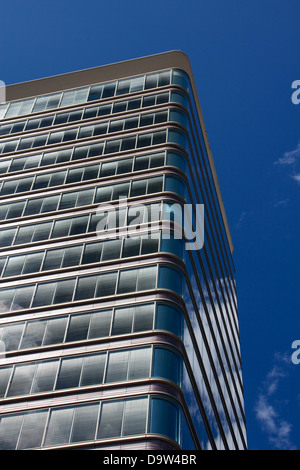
[[240, 221], [291, 159], [296, 178], [277, 429], [281, 203]]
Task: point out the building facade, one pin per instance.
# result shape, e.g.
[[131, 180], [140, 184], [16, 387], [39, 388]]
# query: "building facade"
[[114, 332]]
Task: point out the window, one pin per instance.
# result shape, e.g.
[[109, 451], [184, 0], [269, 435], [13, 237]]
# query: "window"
[[122, 323], [45, 376], [164, 418], [44, 294], [21, 380], [78, 327], [117, 366], [32, 430], [69, 373], [111, 419], [84, 423]]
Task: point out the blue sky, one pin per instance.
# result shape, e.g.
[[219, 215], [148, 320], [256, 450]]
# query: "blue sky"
[[245, 56]]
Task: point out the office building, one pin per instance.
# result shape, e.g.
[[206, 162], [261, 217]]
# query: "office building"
[[115, 335]]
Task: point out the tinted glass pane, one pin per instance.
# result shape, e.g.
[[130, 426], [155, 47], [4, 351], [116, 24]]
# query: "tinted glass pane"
[[135, 416], [24, 235], [108, 168], [34, 333], [85, 288], [53, 259], [23, 297], [74, 175], [128, 143], [134, 104], [155, 185], [11, 336], [57, 178], [61, 118], [22, 380], [117, 366], [84, 424], [8, 187], [150, 244], [44, 294], [42, 231], [64, 291], [69, 373], [139, 364], [164, 418], [112, 146], [85, 197], [100, 324], [61, 228], [63, 156], [168, 318], [9, 431], [108, 90], [111, 250], [143, 318], [49, 158], [93, 369], [33, 207], [32, 430], [72, 256], [78, 327], [67, 201], [45, 376], [131, 247], [59, 427], [111, 419], [14, 266], [15, 210], [90, 172], [50, 204], [6, 237], [95, 92], [106, 284], [5, 373], [124, 166], [92, 253], [103, 194], [32, 263], [167, 365], [6, 297], [122, 322], [159, 137], [138, 188], [80, 152], [127, 281], [55, 331], [79, 225], [24, 185], [146, 278]]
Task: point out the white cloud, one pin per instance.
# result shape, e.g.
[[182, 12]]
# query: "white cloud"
[[289, 157], [296, 178], [278, 430]]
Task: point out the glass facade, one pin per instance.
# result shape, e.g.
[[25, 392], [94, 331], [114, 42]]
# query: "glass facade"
[[108, 337]]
